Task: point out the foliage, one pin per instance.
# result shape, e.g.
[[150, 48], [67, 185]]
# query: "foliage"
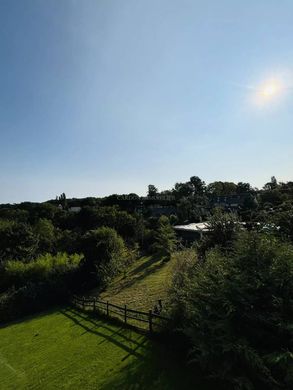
[[14, 214], [218, 188], [29, 287], [223, 229], [165, 238], [152, 190], [45, 231], [62, 200], [17, 241], [104, 252], [93, 217], [237, 308], [243, 188], [283, 219], [42, 268], [193, 208]]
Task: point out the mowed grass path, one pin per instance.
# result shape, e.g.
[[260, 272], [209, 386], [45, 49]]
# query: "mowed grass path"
[[70, 349], [141, 285]]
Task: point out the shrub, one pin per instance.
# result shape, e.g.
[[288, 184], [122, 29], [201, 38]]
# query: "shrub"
[[36, 285], [237, 309], [223, 230], [45, 231], [165, 238], [17, 241], [41, 269], [104, 252]]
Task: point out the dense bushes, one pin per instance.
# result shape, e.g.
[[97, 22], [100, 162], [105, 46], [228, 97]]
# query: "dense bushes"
[[105, 253], [17, 241], [237, 310], [43, 268], [27, 287]]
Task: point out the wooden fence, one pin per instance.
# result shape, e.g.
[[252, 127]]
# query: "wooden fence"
[[140, 319]]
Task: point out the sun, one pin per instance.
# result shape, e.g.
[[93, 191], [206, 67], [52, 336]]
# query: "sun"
[[269, 92], [270, 89]]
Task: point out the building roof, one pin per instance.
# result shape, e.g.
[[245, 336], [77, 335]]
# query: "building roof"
[[198, 227], [193, 227]]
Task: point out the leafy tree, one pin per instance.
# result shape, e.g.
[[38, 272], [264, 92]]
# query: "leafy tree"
[[104, 252], [237, 308], [63, 201], [223, 230], [271, 197], [91, 218], [198, 185], [243, 188], [182, 190], [35, 211], [18, 241], [272, 185], [283, 220], [67, 241], [45, 231], [14, 214], [165, 238], [152, 190], [219, 188]]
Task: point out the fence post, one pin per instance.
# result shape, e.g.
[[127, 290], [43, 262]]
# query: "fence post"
[[94, 304], [151, 321], [82, 303], [125, 314], [107, 308]]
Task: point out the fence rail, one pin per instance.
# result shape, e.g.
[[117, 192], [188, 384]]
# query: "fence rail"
[[145, 320]]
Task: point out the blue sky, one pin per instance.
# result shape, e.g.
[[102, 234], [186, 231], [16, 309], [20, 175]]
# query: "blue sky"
[[104, 96]]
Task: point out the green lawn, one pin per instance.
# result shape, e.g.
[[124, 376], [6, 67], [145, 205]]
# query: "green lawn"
[[70, 349], [141, 285]]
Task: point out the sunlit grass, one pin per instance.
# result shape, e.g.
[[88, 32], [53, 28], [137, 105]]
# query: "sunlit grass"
[[70, 349], [142, 284]]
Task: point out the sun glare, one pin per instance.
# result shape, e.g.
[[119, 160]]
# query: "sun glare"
[[269, 91]]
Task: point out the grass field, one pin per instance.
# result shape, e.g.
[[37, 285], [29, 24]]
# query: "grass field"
[[141, 285], [69, 349]]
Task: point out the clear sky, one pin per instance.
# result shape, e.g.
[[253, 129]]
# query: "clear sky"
[[108, 96]]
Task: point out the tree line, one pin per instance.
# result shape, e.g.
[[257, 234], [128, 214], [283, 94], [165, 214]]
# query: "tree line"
[[231, 295]]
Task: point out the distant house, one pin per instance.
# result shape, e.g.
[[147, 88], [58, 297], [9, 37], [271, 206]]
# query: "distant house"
[[156, 210], [232, 202], [195, 231], [74, 209], [192, 231]]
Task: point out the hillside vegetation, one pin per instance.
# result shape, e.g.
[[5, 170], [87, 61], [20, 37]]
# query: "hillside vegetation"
[[142, 284]]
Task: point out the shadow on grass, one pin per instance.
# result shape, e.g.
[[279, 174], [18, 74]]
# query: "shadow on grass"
[[160, 369], [146, 264], [151, 363], [119, 337], [30, 316], [144, 270]]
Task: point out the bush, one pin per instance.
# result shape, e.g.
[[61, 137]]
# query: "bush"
[[33, 286], [237, 309], [45, 231], [165, 238], [104, 252], [17, 241], [223, 230], [43, 268]]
